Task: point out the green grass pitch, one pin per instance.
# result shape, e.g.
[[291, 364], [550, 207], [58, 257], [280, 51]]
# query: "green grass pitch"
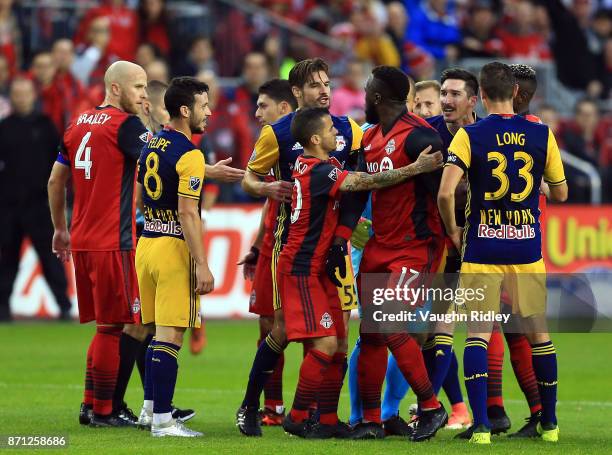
[[41, 380]]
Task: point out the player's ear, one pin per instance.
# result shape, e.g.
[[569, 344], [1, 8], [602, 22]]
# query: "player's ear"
[[315, 139], [297, 92], [283, 108], [185, 111]]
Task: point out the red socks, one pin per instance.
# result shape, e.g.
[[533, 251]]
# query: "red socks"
[[495, 358], [522, 364], [329, 393], [105, 365], [312, 374], [89, 386], [371, 368]]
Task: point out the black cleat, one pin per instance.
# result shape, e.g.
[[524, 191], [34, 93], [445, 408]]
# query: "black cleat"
[[182, 415], [320, 431], [126, 414], [343, 430], [368, 430], [247, 421], [112, 420], [85, 414], [529, 430], [466, 434], [500, 422], [396, 426], [429, 423], [300, 429]]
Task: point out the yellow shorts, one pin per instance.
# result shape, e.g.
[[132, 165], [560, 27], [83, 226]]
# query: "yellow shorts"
[[524, 283], [166, 280]]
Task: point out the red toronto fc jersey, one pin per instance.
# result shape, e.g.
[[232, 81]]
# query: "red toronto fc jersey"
[[269, 222], [407, 211], [314, 215], [102, 146]]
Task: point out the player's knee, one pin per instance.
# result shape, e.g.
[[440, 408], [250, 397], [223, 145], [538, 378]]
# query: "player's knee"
[[172, 335], [139, 332]]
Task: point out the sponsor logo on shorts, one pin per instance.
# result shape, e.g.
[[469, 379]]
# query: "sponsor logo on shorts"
[[326, 320], [161, 227], [136, 306], [506, 231]]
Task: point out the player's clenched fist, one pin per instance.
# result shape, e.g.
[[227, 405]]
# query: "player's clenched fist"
[[279, 191], [205, 282]]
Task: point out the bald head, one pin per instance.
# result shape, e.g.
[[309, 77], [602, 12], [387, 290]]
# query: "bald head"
[[126, 85]]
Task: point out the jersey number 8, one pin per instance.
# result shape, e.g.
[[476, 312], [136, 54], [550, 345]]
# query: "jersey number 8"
[[499, 173], [152, 166]]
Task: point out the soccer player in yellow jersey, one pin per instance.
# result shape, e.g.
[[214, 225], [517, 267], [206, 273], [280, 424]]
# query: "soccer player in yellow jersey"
[[505, 157], [170, 259]]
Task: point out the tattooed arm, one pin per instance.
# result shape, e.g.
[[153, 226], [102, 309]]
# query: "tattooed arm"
[[360, 181]]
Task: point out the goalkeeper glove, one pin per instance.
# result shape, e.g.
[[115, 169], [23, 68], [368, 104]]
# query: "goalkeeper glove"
[[361, 234], [335, 260]]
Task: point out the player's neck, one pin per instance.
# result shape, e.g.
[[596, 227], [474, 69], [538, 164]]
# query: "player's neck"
[[500, 107], [181, 127], [110, 102], [468, 119], [317, 153], [389, 116]]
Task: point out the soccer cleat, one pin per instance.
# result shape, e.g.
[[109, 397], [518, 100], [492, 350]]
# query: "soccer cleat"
[[182, 415], [299, 429], [127, 414], [529, 430], [459, 418], [173, 428], [270, 418], [429, 423], [499, 420], [343, 430], [549, 432], [467, 434], [368, 430], [481, 435], [247, 421], [197, 342], [396, 426], [145, 419], [112, 420], [85, 414], [320, 430]]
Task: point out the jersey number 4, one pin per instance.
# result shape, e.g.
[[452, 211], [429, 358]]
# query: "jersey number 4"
[[84, 150], [499, 172]]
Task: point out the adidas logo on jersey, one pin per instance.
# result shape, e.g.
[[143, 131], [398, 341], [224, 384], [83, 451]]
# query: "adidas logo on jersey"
[[297, 146], [326, 320]]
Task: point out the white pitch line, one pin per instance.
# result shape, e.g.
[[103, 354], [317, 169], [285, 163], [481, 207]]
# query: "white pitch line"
[[598, 404]]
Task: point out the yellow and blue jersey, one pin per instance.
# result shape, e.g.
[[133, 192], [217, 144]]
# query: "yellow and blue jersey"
[[505, 158], [169, 167], [276, 151]]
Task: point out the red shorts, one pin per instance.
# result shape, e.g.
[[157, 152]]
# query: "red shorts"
[[261, 302], [311, 307], [424, 256], [107, 287]]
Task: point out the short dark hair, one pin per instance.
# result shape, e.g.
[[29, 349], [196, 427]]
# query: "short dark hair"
[[300, 73], [307, 122], [279, 90], [181, 92], [395, 80], [156, 88], [525, 75], [471, 83], [497, 81]]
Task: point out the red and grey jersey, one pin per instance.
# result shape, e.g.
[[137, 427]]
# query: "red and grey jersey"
[[102, 146], [407, 211], [314, 215]]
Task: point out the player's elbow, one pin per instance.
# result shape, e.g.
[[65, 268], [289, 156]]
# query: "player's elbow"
[[558, 193], [445, 196]]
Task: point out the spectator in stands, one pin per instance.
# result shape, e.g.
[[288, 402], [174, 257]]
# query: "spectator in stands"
[[10, 36], [200, 57], [520, 38], [434, 27], [94, 54], [146, 53], [550, 116], [479, 39], [605, 71], [5, 79], [576, 64], [29, 148], [158, 70], [123, 28], [580, 136], [373, 44], [153, 24], [397, 22], [49, 100], [70, 90], [349, 98]]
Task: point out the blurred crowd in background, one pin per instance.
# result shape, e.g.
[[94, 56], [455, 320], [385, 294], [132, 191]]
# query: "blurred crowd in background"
[[64, 47]]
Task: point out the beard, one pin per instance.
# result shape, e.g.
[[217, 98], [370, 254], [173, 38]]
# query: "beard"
[[371, 116], [127, 106], [196, 127]]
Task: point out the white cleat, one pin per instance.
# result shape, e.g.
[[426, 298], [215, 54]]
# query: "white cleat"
[[173, 428], [144, 419]]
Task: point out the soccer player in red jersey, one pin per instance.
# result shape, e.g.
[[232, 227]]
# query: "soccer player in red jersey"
[[99, 153], [275, 100], [311, 303], [408, 233]]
